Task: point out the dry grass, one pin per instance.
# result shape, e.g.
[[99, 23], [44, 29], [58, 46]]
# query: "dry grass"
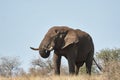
[[112, 72], [53, 77]]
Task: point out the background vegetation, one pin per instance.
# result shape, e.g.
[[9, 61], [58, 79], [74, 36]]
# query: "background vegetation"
[[108, 59]]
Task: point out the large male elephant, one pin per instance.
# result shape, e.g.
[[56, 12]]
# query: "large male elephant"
[[74, 44]]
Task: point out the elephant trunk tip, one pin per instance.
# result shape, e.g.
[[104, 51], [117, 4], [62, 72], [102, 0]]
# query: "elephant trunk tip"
[[34, 48]]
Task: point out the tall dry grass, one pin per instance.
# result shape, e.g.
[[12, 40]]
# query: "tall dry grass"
[[63, 77], [53, 77], [111, 72]]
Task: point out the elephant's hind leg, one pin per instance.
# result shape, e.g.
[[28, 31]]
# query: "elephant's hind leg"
[[77, 67], [89, 63], [88, 68]]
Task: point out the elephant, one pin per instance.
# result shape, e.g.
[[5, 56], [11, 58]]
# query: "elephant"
[[74, 44]]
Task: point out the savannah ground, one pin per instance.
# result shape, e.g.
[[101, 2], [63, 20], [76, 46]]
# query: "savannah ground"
[[65, 77], [53, 77], [110, 61]]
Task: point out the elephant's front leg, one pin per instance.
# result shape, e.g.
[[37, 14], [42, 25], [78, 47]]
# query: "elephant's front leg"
[[57, 63], [71, 64]]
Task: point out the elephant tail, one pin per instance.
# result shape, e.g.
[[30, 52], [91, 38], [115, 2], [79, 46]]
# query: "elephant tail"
[[34, 48], [99, 67]]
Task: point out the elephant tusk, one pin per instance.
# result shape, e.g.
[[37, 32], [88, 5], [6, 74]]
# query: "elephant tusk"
[[34, 48], [51, 48]]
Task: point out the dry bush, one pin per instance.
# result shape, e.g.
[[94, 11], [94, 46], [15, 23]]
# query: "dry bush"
[[9, 66], [112, 70]]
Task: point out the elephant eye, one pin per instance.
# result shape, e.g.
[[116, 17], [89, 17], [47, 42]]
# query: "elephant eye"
[[57, 31]]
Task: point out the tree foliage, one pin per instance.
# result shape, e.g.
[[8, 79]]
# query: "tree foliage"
[[110, 59], [8, 65], [40, 67], [107, 55]]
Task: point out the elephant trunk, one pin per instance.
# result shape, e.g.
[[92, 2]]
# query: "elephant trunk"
[[44, 53]]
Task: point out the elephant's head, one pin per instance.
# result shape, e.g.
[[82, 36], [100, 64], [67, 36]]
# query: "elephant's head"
[[58, 37]]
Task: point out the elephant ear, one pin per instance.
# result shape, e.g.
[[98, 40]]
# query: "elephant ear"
[[70, 38]]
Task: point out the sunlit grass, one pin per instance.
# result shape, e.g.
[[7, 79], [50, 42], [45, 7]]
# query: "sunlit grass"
[[53, 77], [112, 72]]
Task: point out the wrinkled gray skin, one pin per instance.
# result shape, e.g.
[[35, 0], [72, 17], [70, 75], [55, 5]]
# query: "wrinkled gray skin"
[[75, 45]]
